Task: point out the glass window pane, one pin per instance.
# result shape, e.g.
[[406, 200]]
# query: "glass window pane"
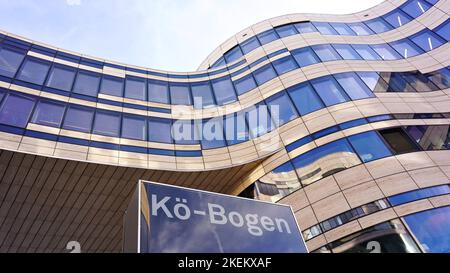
[[305, 56], [305, 98], [378, 25], [281, 108], [10, 61], [107, 123], [158, 91], [61, 78], [284, 65], [223, 90], [305, 27], [219, 62], [48, 113], [287, 30], [406, 48], [360, 29], [369, 146], [386, 52], [267, 36], [441, 78], [396, 82], [366, 52], [34, 71], [329, 90], [184, 132], [343, 29], [373, 81], [112, 86], [236, 130], [354, 87], [134, 127], [87, 83], [202, 95], [212, 133], [427, 40], [78, 118], [397, 18], [325, 161], [16, 110], [135, 88], [415, 8], [264, 74], [180, 94], [346, 52], [325, 28], [419, 82], [249, 45], [259, 121], [233, 54], [326, 53], [245, 84], [159, 130], [444, 30], [398, 140]]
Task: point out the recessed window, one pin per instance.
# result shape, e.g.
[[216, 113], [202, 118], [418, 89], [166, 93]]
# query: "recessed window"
[[87, 83], [61, 78], [360, 29], [220, 62], [245, 84], [369, 146], [354, 87], [419, 82], [398, 140], [373, 81], [326, 53], [444, 30], [287, 30], [406, 48], [184, 132], [284, 65], [212, 133], [386, 52], [305, 56], [305, 27], [378, 25], [16, 110], [202, 95], [264, 74], [329, 90], [325, 28], [48, 113], [78, 118], [397, 18], [158, 91], [305, 98], [427, 40], [236, 130], [159, 130], [10, 60], [259, 120], [346, 52], [249, 44], [233, 54], [135, 88], [34, 71], [107, 123], [396, 82], [415, 8], [281, 108], [366, 52], [343, 29], [267, 36], [224, 91], [180, 94], [112, 86], [134, 127], [441, 78]]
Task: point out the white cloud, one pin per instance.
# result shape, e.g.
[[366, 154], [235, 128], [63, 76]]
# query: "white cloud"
[[73, 2]]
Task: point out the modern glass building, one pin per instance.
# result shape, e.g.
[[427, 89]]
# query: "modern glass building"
[[344, 117]]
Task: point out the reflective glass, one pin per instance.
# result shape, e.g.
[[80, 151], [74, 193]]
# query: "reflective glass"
[[158, 91], [369, 146], [87, 83], [236, 130], [419, 82], [135, 88], [134, 127], [233, 54], [202, 95], [360, 29], [10, 60], [61, 78], [343, 29], [107, 123], [305, 27], [112, 86], [245, 84], [305, 98], [305, 56], [398, 140], [418, 194], [427, 40], [378, 25], [373, 81], [329, 90], [259, 121], [180, 94], [212, 133], [346, 52], [34, 71], [250, 44], [353, 86], [48, 113], [441, 78], [287, 30], [415, 8], [325, 28], [223, 90], [219, 62], [396, 82], [278, 183], [267, 36], [326, 53], [159, 130], [397, 18], [444, 30], [184, 132], [366, 52], [78, 118], [281, 108], [284, 65], [386, 52], [264, 74], [16, 110], [406, 48]]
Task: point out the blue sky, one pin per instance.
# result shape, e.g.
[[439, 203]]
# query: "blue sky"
[[174, 35]]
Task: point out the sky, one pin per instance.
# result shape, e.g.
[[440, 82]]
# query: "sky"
[[173, 35]]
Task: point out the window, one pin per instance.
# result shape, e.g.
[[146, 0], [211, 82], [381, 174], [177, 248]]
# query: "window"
[[369, 146], [236, 130], [184, 132], [343, 29], [398, 140], [134, 127], [10, 61], [135, 88], [373, 81], [444, 30], [180, 94], [212, 133], [305, 56], [441, 78], [267, 36], [418, 194], [326, 53], [360, 29], [378, 25], [346, 52], [419, 82], [406, 48], [112, 86], [353, 86], [305, 27], [34, 71], [249, 44], [396, 82], [159, 130], [287, 30], [219, 62], [223, 90], [366, 52], [284, 65], [305, 98], [427, 40], [48, 113], [397, 18], [415, 8], [325, 28], [259, 121], [281, 108], [329, 90], [386, 52], [233, 54], [61, 77], [107, 123], [78, 118], [87, 83], [16, 110], [264, 74], [158, 91], [325, 161], [245, 84], [202, 95]]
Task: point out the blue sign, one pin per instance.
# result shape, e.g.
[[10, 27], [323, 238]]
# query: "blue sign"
[[181, 220]]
